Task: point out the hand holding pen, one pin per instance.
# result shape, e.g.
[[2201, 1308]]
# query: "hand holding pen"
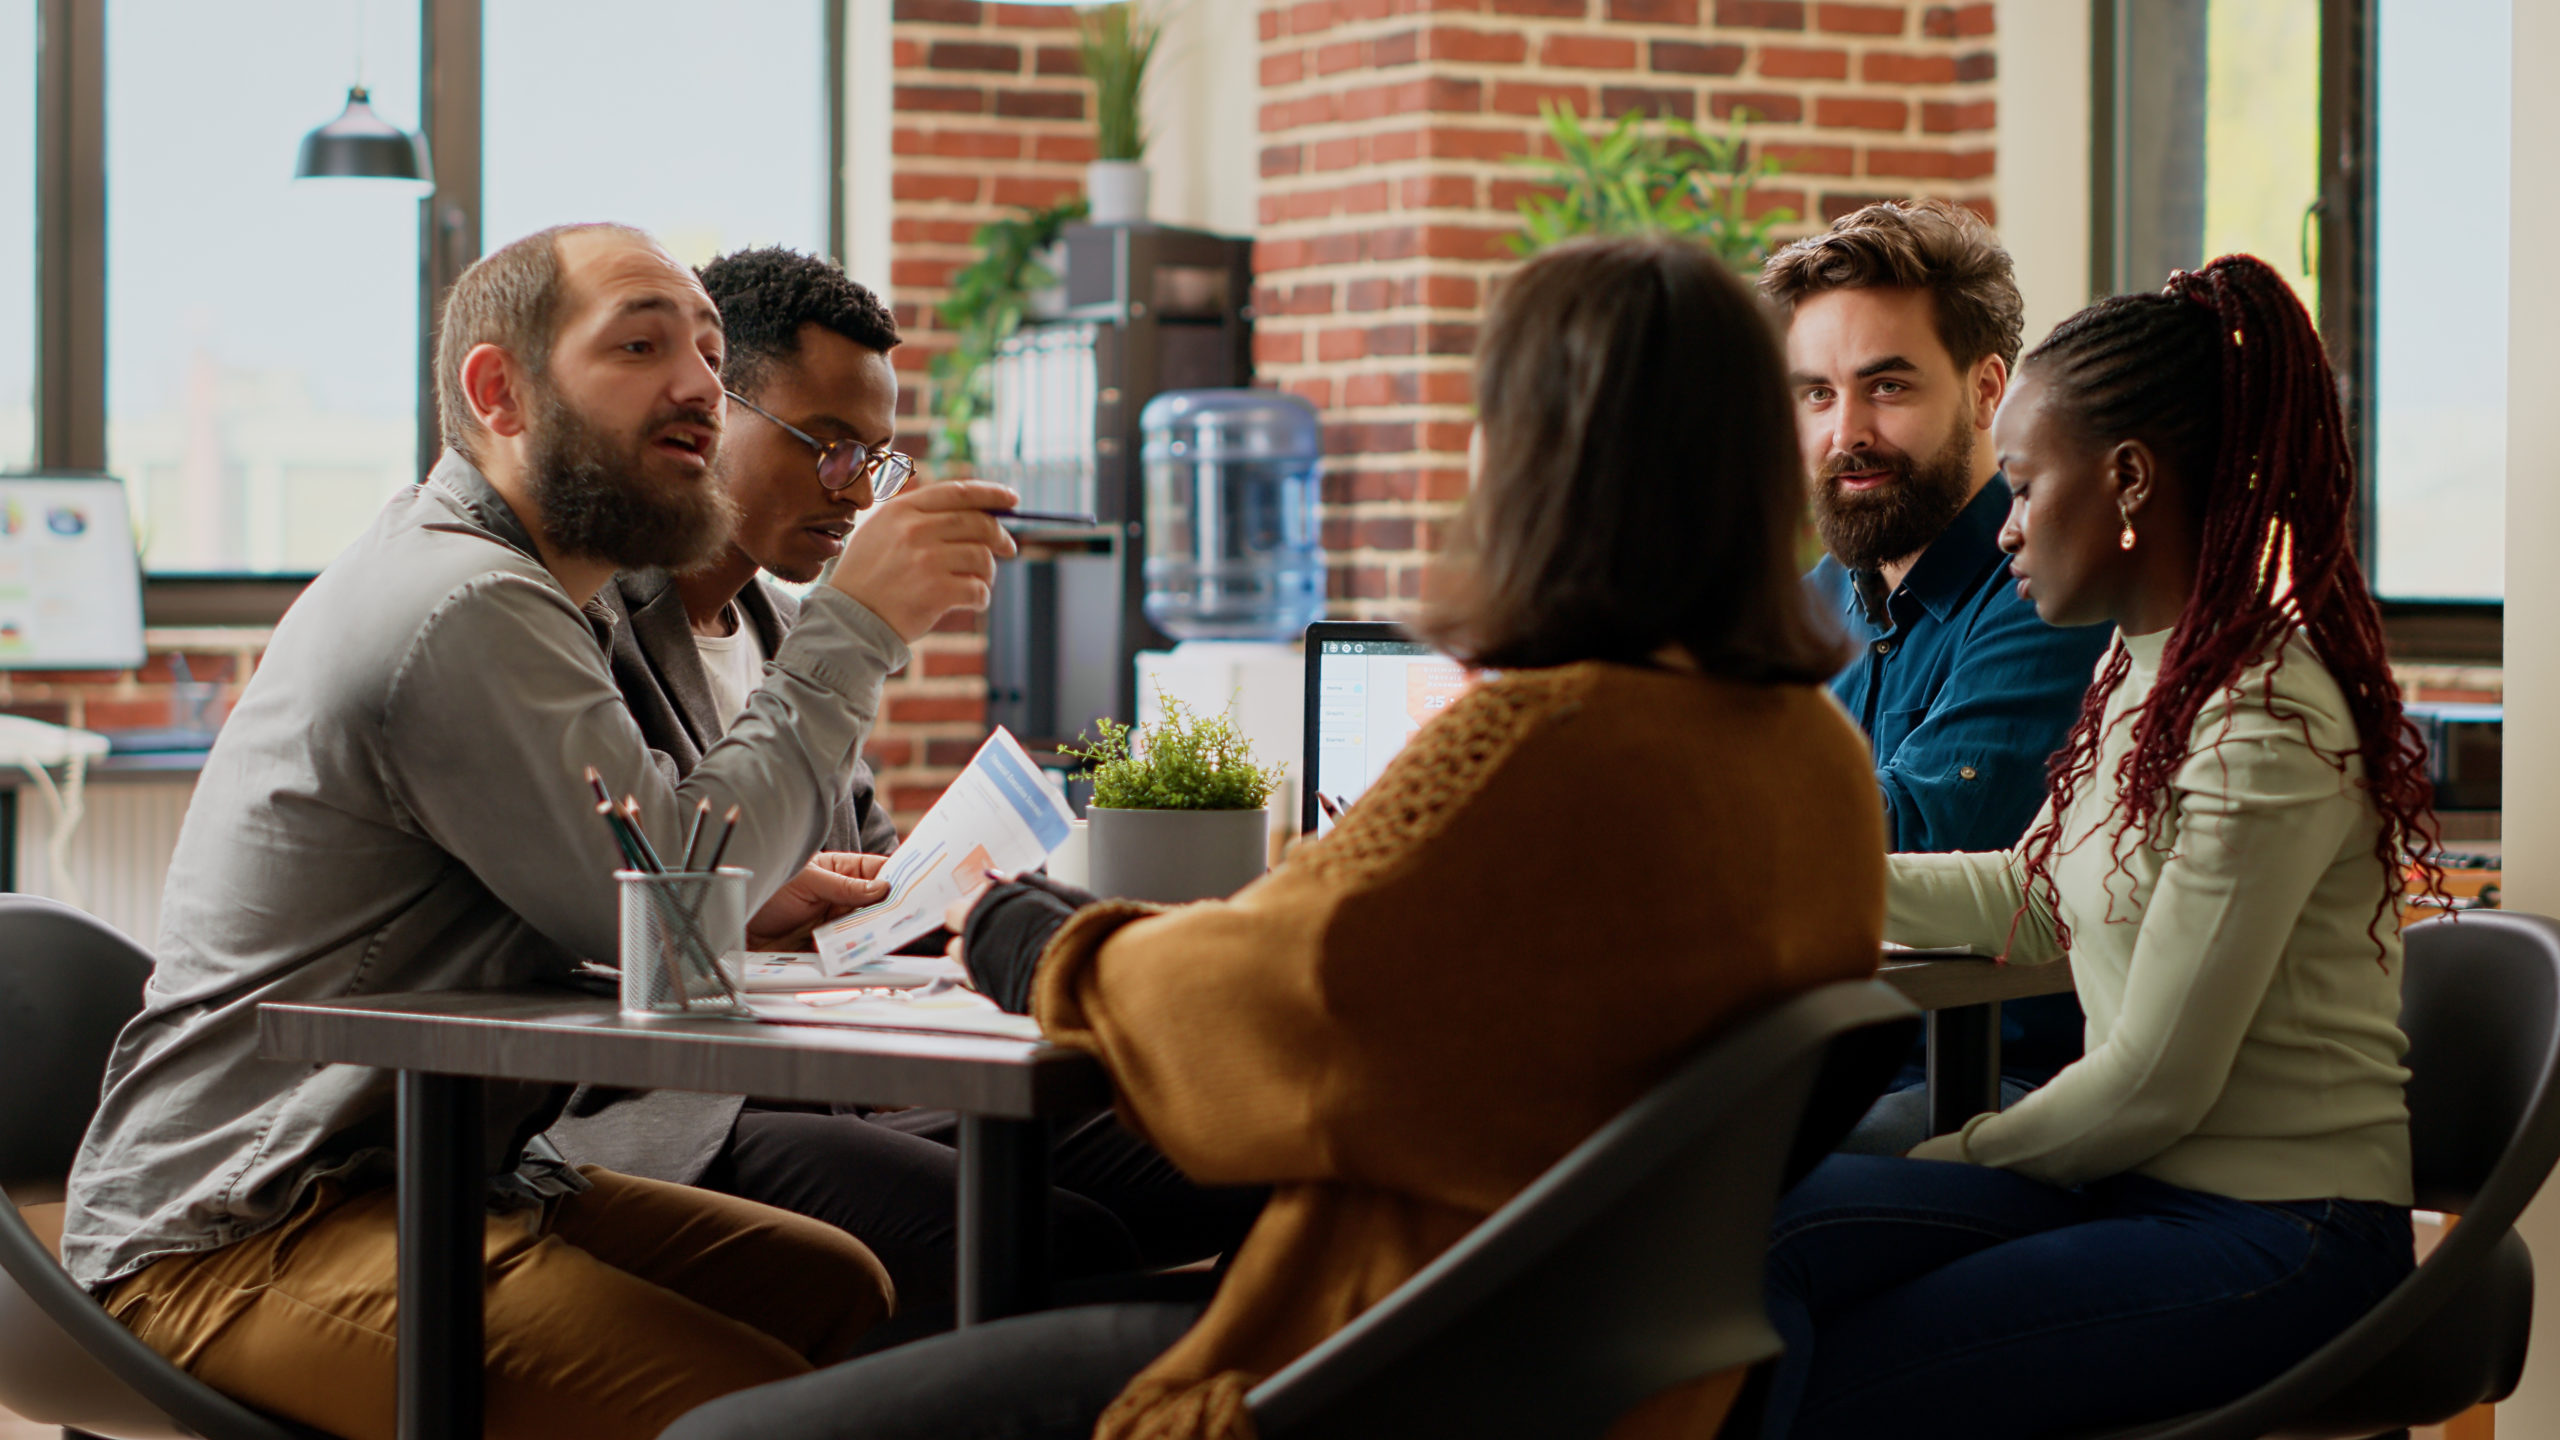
[[925, 552]]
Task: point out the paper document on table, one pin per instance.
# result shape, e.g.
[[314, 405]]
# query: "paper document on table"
[[941, 1009], [773, 972], [999, 815]]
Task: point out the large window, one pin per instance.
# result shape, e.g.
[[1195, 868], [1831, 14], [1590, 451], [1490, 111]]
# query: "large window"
[[2439, 452], [261, 332], [17, 233], [259, 389], [2361, 145], [2262, 134], [588, 115]]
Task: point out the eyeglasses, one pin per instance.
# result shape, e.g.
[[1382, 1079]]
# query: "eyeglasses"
[[841, 462]]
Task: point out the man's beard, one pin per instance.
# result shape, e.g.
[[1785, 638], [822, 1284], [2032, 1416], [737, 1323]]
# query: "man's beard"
[[1899, 518], [601, 501]]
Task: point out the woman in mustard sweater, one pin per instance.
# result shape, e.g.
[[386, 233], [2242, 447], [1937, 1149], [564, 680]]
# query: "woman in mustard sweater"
[[1543, 903], [2222, 1183]]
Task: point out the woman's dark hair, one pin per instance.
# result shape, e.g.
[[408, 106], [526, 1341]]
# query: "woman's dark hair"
[[1641, 485], [2222, 375]]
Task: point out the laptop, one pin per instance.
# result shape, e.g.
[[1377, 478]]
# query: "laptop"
[[70, 581], [1369, 687]]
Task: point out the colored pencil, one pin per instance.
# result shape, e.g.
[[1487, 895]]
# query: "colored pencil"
[[640, 837], [728, 827], [693, 832]]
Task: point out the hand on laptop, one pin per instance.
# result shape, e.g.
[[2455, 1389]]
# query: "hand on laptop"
[[922, 554], [833, 883]]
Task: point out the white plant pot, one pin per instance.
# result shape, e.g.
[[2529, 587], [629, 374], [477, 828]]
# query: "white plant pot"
[[1174, 856], [1116, 191]]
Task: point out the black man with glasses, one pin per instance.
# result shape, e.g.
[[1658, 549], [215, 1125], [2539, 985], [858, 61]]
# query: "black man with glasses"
[[806, 448]]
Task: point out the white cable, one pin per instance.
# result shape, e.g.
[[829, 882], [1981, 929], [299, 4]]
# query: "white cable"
[[67, 812]]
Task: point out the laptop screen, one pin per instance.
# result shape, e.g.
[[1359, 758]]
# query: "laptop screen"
[[70, 584], [1369, 687]]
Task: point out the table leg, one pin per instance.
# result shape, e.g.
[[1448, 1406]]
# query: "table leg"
[[9, 838], [1964, 1065], [1004, 1217], [442, 1220]]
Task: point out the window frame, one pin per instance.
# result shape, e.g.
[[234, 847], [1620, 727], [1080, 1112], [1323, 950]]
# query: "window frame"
[[71, 244], [2460, 631]]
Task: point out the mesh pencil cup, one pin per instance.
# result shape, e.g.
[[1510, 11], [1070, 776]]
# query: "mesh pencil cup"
[[675, 929]]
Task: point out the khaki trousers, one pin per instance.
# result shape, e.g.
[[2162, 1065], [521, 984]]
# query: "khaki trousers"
[[634, 1303]]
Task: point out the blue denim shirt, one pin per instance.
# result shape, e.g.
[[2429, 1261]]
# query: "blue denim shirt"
[[1962, 691], [1964, 694]]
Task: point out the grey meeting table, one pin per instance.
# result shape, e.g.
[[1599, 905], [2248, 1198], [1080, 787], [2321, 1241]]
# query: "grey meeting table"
[[1962, 996], [444, 1045]]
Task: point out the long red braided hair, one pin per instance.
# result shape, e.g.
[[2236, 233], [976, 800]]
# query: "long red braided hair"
[[2222, 374]]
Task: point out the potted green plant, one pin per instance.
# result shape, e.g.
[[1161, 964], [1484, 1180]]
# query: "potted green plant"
[[1664, 177], [1116, 44], [989, 301], [1177, 811]]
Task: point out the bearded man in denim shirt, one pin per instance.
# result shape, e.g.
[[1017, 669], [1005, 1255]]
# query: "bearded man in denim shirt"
[[1902, 323]]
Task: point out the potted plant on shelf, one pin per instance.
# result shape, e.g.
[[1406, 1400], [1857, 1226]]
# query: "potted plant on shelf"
[[1177, 811], [1116, 43], [989, 301]]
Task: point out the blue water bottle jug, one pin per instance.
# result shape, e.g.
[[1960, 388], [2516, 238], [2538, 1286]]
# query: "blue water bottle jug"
[[1232, 546]]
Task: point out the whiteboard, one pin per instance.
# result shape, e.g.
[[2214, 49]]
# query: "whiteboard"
[[70, 581]]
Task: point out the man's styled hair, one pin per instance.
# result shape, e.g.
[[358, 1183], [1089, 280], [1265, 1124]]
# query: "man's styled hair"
[[1640, 483], [766, 295], [509, 298], [1930, 245]]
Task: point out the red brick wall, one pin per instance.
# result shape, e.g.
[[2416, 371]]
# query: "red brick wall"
[[991, 111], [217, 662], [1386, 125]]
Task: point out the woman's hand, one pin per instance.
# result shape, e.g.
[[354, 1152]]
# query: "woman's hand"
[[955, 918], [832, 884]]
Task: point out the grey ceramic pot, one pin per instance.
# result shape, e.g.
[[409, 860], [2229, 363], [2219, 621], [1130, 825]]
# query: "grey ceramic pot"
[[1172, 856]]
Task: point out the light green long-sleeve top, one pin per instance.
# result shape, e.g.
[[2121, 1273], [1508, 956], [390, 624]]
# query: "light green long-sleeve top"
[[2243, 1033]]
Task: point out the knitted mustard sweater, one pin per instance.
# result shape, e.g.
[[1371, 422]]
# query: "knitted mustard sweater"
[[1562, 885]]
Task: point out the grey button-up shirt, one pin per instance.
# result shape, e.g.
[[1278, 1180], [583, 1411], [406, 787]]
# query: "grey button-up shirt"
[[398, 804]]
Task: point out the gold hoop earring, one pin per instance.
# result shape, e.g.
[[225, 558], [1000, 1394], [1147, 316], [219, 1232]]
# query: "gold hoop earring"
[[2125, 540]]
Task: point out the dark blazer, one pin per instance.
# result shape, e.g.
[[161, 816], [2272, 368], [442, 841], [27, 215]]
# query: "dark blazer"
[[675, 1135], [659, 671]]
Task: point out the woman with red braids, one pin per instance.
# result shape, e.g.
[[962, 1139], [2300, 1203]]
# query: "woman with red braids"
[[2222, 1183]]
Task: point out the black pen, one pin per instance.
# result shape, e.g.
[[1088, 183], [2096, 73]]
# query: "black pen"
[[1048, 517]]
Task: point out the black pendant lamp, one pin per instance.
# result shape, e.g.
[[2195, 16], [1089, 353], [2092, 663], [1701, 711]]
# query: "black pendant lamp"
[[361, 145]]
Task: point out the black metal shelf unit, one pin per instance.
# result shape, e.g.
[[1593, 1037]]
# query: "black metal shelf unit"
[[1147, 308]]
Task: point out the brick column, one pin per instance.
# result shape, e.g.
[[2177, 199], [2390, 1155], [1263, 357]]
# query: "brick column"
[[991, 111], [1386, 199]]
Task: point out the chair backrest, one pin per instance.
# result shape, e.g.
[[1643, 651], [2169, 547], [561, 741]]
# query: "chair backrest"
[[68, 982], [2480, 1002], [1633, 1265]]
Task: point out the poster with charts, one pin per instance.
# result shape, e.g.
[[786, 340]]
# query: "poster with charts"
[[1000, 815], [70, 583]]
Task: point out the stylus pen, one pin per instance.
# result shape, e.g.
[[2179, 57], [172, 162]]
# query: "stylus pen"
[[1047, 517]]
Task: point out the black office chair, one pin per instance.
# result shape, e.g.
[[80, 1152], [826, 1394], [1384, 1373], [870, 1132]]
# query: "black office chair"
[[2481, 1004], [1633, 1265], [68, 983]]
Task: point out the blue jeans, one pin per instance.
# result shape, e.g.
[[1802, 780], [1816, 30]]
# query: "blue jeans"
[[1919, 1298]]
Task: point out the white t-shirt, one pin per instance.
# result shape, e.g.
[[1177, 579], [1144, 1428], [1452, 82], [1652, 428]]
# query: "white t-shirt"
[[735, 663]]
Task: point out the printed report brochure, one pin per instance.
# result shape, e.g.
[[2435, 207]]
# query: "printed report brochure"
[[1000, 815]]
